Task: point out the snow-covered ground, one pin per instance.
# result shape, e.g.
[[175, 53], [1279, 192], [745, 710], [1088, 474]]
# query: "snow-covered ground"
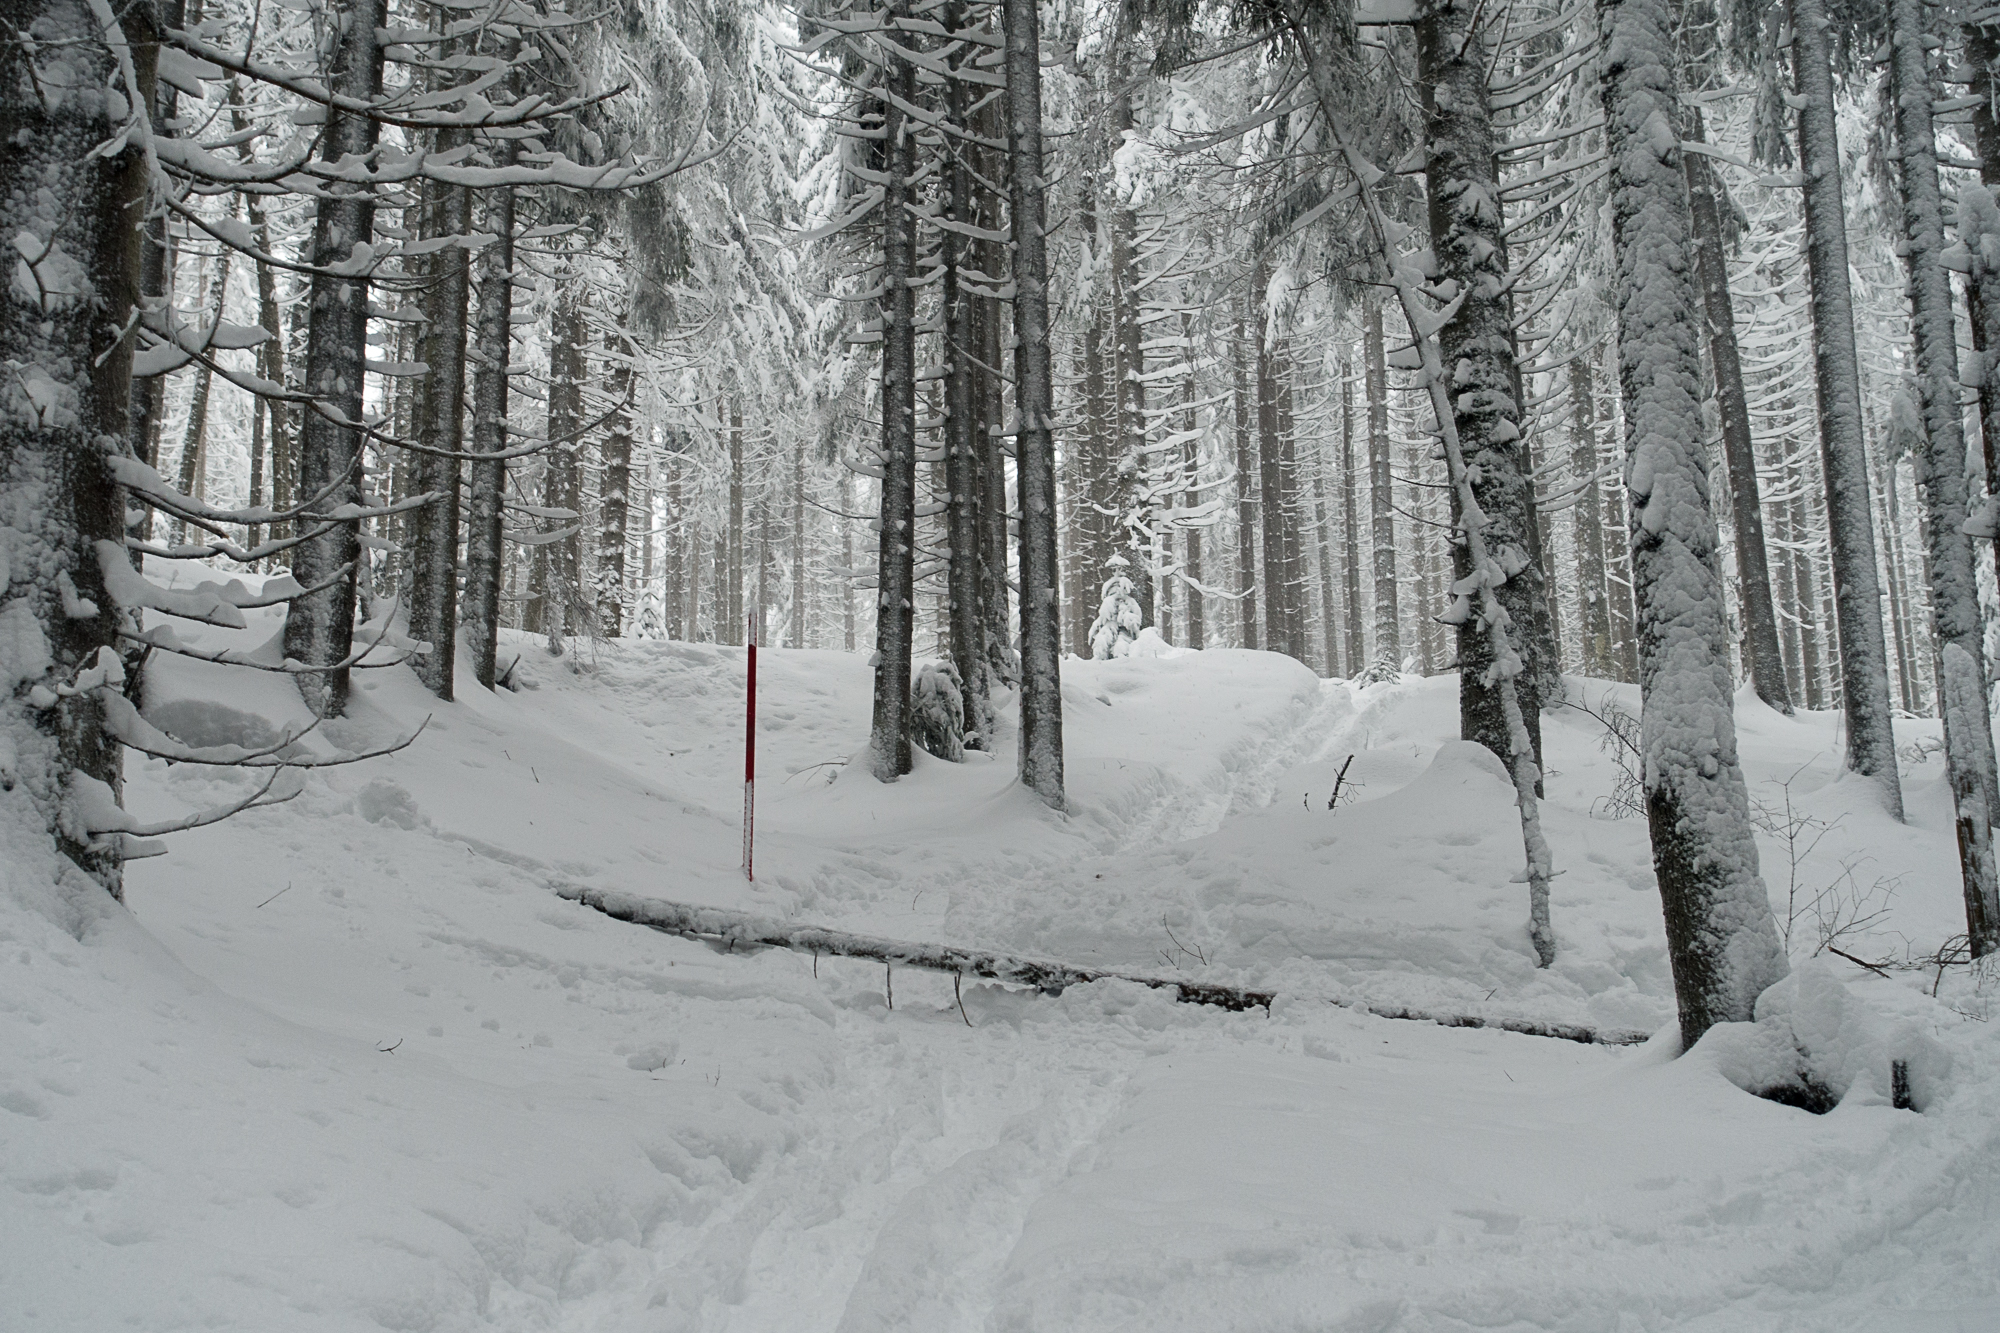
[[348, 1063]]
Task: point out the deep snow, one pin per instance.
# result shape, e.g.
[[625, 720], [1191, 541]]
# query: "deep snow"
[[348, 1064]]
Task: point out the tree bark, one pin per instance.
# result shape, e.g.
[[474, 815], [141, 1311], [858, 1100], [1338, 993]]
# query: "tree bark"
[[1388, 631], [1247, 499], [1968, 728], [1468, 236], [1034, 446], [1871, 741], [1357, 644], [1753, 573], [1722, 941], [441, 425], [614, 495], [1197, 621], [1593, 597], [319, 627], [961, 446], [486, 482], [66, 395], [889, 742]]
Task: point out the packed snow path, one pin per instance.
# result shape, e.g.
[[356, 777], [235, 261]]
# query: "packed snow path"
[[349, 1065]]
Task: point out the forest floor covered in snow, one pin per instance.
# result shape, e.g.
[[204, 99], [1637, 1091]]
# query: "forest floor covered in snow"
[[349, 1063]]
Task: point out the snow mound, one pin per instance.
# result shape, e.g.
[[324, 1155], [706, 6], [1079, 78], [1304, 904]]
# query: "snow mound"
[[1816, 1046]]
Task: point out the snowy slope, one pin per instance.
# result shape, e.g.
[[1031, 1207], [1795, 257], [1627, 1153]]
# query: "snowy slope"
[[348, 1064]]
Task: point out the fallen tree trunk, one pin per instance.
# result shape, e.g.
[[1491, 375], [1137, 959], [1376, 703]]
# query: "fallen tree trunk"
[[741, 930]]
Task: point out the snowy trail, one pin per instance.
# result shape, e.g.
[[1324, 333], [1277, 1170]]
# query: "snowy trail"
[[391, 1082], [935, 1145]]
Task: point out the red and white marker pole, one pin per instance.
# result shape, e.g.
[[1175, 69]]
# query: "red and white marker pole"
[[750, 751]]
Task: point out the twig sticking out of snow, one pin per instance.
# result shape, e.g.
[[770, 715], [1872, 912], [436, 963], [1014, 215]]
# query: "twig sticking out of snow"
[[729, 930]]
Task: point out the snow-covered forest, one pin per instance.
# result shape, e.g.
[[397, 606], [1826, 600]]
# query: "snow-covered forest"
[[1285, 665]]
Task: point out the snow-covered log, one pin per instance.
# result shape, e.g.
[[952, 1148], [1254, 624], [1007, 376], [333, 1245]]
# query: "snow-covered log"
[[742, 930]]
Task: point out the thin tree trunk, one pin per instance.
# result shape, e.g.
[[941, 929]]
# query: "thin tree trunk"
[[1357, 645], [1197, 626], [961, 452], [486, 483], [1722, 941], [847, 562], [562, 480], [734, 611], [1587, 516], [1388, 630], [889, 742], [1278, 591], [194, 442], [1034, 446], [319, 627], [1135, 501], [614, 497], [1247, 499], [1753, 574], [1871, 742], [797, 636], [1968, 729], [440, 425]]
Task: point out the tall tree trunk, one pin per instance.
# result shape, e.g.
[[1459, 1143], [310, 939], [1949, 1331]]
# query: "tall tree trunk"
[[990, 124], [734, 612], [1788, 590], [1805, 605], [1388, 630], [1722, 941], [1280, 619], [1323, 529], [1247, 499], [614, 496], [486, 482], [440, 425], [1593, 598], [1753, 574], [271, 365], [194, 442], [1982, 53], [1197, 625], [67, 393], [1135, 498], [888, 741], [1357, 645], [1468, 236], [797, 635], [961, 451], [319, 627], [1871, 742], [1968, 729], [1034, 446], [561, 561], [847, 562], [146, 401]]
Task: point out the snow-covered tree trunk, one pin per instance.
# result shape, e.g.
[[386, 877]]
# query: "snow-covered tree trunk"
[[1587, 519], [1135, 501], [561, 562], [796, 638], [1357, 645], [1940, 464], [147, 400], [1722, 941], [1753, 574], [1197, 620], [1388, 627], [1469, 242], [486, 482], [440, 413], [194, 439], [1871, 742], [961, 445], [888, 738], [730, 602], [1034, 444], [319, 627], [1275, 511], [1246, 489], [993, 156], [74, 213], [614, 491]]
